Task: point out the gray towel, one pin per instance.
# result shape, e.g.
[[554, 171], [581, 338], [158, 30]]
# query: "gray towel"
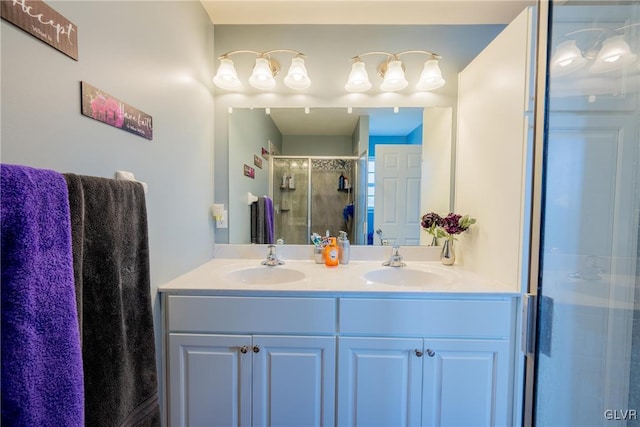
[[111, 267]]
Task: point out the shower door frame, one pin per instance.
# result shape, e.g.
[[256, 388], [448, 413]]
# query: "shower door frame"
[[272, 159]]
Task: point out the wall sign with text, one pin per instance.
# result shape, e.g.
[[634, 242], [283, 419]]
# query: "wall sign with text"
[[103, 107], [43, 22]]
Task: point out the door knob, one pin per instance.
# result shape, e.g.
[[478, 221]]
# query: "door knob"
[[430, 352], [419, 353], [244, 349], [256, 349]]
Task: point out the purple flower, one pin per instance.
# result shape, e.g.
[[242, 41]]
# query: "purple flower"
[[451, 224], [430, 220]]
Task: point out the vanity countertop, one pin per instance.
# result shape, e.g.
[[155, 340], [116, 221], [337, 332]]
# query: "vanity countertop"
[[217, 276]]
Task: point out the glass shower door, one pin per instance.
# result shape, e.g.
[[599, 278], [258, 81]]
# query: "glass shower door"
[[587, 370], [291, 199]]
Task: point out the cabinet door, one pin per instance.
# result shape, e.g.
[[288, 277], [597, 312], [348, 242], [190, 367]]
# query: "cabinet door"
[[466, 383], [379, 382], [209, 380], [293, 381]]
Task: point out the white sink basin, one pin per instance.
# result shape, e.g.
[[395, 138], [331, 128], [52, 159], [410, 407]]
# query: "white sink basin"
[[403, 276], [264, 275]]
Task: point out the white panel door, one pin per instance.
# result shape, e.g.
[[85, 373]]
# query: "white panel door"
[[379, 382], [466, 383], [209, 380], [294, 381], [397, 199]]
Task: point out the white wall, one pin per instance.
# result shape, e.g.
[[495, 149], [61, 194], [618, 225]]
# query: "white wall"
[[491, 155], [157, 57], [435, 179]]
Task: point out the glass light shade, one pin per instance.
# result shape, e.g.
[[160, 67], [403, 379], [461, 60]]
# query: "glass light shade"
[[226, 77], [614, 54], [394, 77], [567, 59], [431, 77], [262, 76], [297, 77], [358, 78]]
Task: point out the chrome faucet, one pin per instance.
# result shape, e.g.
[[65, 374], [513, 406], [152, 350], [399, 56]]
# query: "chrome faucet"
[[383, 241], [272, 259], [395, 260]]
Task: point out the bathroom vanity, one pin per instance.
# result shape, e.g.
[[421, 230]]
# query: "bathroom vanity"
[[307, 345]]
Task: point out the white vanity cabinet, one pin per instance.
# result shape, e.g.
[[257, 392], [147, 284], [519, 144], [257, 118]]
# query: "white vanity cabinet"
[[425, 362], [339, 360], [226, 368]]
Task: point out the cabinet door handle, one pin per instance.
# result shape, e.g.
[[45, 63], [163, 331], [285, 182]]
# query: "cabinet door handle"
[[430, 352], [256, 349], [244, 349], [419, 353]]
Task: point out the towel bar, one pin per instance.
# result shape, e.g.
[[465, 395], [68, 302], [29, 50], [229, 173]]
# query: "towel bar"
[[129, 176], [251, 198]]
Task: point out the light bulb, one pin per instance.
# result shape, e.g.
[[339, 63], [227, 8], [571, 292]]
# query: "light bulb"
[[567, 59], [614, 54], [431, 77], [358, 78], [226, 77], [297, 77], [394, 77], [262, 76]]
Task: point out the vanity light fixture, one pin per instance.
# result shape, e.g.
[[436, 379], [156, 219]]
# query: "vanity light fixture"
[[264, 71], [603, 48], [392, 73]]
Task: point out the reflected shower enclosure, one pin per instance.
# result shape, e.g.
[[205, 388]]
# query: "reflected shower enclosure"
[[313, 195]]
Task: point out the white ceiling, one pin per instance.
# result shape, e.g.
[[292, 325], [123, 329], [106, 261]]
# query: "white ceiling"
[[374, 12]]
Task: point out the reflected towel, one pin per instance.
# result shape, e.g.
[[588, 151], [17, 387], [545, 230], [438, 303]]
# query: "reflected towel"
[[260, 221], [262, 230], [268, 220], [111, 256], [254, 222], [42, 377]]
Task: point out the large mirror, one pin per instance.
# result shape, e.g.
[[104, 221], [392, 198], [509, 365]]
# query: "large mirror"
[[360, 170], [244, 132]]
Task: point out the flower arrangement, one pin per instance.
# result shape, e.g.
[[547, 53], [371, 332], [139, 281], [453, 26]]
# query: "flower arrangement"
[[445, 227]]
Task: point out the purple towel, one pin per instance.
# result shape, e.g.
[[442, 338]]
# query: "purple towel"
[[268, 219], [42, 372]]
